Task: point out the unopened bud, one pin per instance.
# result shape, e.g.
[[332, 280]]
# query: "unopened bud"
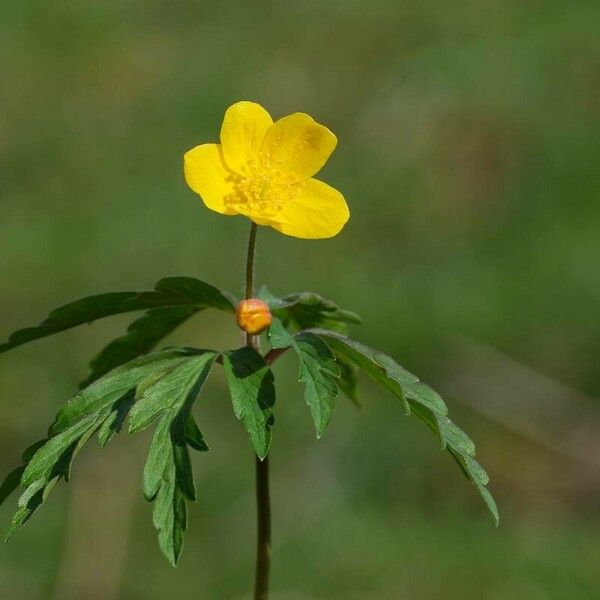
[[253, 316]]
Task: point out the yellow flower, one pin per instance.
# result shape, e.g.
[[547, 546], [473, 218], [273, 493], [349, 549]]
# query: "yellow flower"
[[264, 171]]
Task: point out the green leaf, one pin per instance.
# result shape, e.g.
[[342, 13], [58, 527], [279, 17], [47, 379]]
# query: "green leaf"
[[37, 492], [181, 455], [141, 337], [160, 456], [13, 479], [168, 477], [33, 497], [102, 408], [32, 449], [193, 435], [305, 310], [348, 379], [476, 473], [81, 442], [11, 483], [44, 461], [385, 371], [318, 371], [115, 420], [180, 384], [170, 517], [169, 292], [168, 480], [252, 390], [420, 400], [112, 387]]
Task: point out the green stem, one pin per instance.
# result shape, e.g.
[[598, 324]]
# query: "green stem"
[[263, 542], [263, 501], [250, 261]]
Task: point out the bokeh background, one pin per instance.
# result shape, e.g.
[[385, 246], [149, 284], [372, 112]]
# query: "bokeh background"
[[469, 154]]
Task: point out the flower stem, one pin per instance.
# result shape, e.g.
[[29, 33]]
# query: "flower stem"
[[263, 501], [263, 545], [250, 261]]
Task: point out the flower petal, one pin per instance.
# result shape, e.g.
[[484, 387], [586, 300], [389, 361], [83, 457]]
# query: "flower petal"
[[207, 174], [244, 127], [316, 211], [298, 146]]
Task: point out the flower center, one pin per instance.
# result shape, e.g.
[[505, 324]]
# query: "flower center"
[[256, 192], [264, 188]]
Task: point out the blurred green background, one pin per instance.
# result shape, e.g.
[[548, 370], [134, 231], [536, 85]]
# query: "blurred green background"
[[469, 153]]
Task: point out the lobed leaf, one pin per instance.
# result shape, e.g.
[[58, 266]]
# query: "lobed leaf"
[[29, 502], [178, 386], [102, 408], [305, 310], [141, 337], [420, 400], [385, 371], [37, 492], [159, 458], [318, 371], [168, 293], [113, 386], [193, 435], [11, 483], [252, 390], [168, 479], [348, 379], [43, 463], [116, 418], [13, 479], [162, 485]]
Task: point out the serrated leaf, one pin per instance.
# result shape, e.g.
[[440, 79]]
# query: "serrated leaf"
[[141, 337], [181, 455], [252, 391], [45, 459], [386, 371], [101, 408], [81, 442], [160, 455], [366, 359], [168, 480], [32, 449], [11, 483], [13, 479], [112, 387], [305, 310], [29, 502], [455, 437], [421, 401], [193, 435], [279, 336], [31, 491], [170, 518], [348, 379], [181, 383], [477, 474], [37, 492], [168, 292], [318, 371], [115, 420]]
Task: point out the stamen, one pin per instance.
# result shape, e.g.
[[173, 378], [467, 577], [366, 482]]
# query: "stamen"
[[264, 188]]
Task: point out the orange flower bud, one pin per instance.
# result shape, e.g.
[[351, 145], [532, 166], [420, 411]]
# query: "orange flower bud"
[[253, 316]]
